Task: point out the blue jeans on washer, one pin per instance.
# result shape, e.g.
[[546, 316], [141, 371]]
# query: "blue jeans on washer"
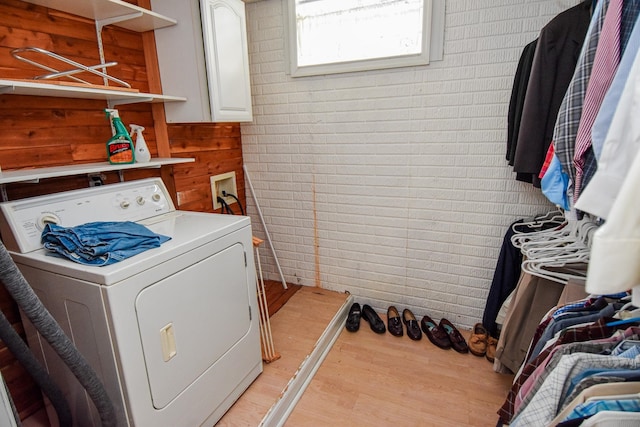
[[100, 243]]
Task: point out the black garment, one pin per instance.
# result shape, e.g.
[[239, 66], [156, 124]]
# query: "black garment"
[[505, 280], [518, 92], [554, 63]]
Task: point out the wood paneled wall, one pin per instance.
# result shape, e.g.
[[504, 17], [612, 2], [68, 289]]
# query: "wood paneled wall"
[[46, 131], [217, 149]]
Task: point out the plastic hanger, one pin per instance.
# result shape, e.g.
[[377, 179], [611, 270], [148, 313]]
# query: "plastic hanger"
[[624, 321], [575, 242], [575, 237], [549, 238], [554, 217], [539, 267], [559, 247], [519, 239]]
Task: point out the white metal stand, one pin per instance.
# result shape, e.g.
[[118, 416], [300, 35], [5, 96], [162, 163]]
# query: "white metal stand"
[[264, 225]]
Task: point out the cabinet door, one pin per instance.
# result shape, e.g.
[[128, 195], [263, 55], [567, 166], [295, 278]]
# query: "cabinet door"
[[225, 43], [205, 58]]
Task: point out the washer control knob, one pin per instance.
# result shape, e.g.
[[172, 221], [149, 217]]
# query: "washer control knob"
[[140, 200], [124, 204], [47, 218], [156, 197]]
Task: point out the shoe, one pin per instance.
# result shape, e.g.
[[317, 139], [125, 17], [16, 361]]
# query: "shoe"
[[413, 329], [478, 340], [394, 325], [492, 343], [353, 319], [435, 333], [457, 340], [375, 322]]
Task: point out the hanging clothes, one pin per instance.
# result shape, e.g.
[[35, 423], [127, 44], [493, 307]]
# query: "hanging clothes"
[[630, 13], [544, 404], [616, 121], [505, 279], [610, 103], [507, 272], [573, 128], [615, 251], [578, 346], [605, 64], [533, 297], [554, 62], [591, 338], [570, 112], [516, 102]]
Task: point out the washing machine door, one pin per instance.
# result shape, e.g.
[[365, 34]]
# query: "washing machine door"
[[191, 319]]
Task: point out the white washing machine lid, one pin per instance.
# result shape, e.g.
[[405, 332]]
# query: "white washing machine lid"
[[188, 230]]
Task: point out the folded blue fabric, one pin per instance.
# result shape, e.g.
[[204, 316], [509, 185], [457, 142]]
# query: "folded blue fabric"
[[100, 243]]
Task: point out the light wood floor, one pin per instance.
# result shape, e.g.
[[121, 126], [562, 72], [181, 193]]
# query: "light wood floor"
[[369, 379]]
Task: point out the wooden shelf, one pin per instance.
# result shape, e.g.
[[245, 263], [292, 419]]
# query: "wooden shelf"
[[116, 12], [114, 96], [35, 174]]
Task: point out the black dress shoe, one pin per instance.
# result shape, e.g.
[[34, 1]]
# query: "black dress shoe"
[[393, 322], [413, 329], [375, 322], [457, 340], [353, 319]]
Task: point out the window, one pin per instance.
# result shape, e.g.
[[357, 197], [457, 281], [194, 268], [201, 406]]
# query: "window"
[[335, 36]]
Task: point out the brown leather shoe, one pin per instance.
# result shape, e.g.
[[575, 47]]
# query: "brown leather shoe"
[[492, 343], [457, 340], [413, 330], [478, 340], [394, 325], [435, 333]]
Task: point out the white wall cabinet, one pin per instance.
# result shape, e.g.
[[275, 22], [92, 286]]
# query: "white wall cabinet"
[[205, 59]]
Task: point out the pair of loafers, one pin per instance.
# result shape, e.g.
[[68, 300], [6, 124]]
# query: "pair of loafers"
[[394, 323], [479, 340], [481, 343], [368, 314], [444, 334]]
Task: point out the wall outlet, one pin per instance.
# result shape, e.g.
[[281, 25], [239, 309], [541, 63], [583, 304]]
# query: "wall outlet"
[[225, 182]]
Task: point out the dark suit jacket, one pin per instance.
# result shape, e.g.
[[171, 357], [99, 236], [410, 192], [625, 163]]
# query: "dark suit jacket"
[[516, 103], [554, 62]]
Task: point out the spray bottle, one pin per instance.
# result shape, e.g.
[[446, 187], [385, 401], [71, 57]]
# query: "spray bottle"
[[120, 146], [142, 151]]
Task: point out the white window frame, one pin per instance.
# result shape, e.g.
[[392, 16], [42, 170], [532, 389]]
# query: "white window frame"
[[432, 45]]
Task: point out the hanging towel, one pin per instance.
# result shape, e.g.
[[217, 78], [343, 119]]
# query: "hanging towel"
[[100, 243]]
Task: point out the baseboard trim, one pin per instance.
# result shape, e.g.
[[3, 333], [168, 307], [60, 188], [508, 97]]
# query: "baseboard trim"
[[282, 408]]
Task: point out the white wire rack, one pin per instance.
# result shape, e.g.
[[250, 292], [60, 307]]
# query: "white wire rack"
[[70, 73]]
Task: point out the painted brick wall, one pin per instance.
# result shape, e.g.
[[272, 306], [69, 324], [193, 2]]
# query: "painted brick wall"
[[393, 185]]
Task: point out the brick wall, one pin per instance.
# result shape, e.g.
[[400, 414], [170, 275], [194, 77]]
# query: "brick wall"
[[393, 184]]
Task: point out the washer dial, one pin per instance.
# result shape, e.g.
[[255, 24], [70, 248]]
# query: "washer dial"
[[47, 218]]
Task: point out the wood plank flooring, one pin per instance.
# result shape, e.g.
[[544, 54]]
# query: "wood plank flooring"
[[295, 328], [370, 379], [277, 296], [382, 380]]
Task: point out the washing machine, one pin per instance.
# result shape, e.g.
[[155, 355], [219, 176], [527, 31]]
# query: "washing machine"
[[172, 332]]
